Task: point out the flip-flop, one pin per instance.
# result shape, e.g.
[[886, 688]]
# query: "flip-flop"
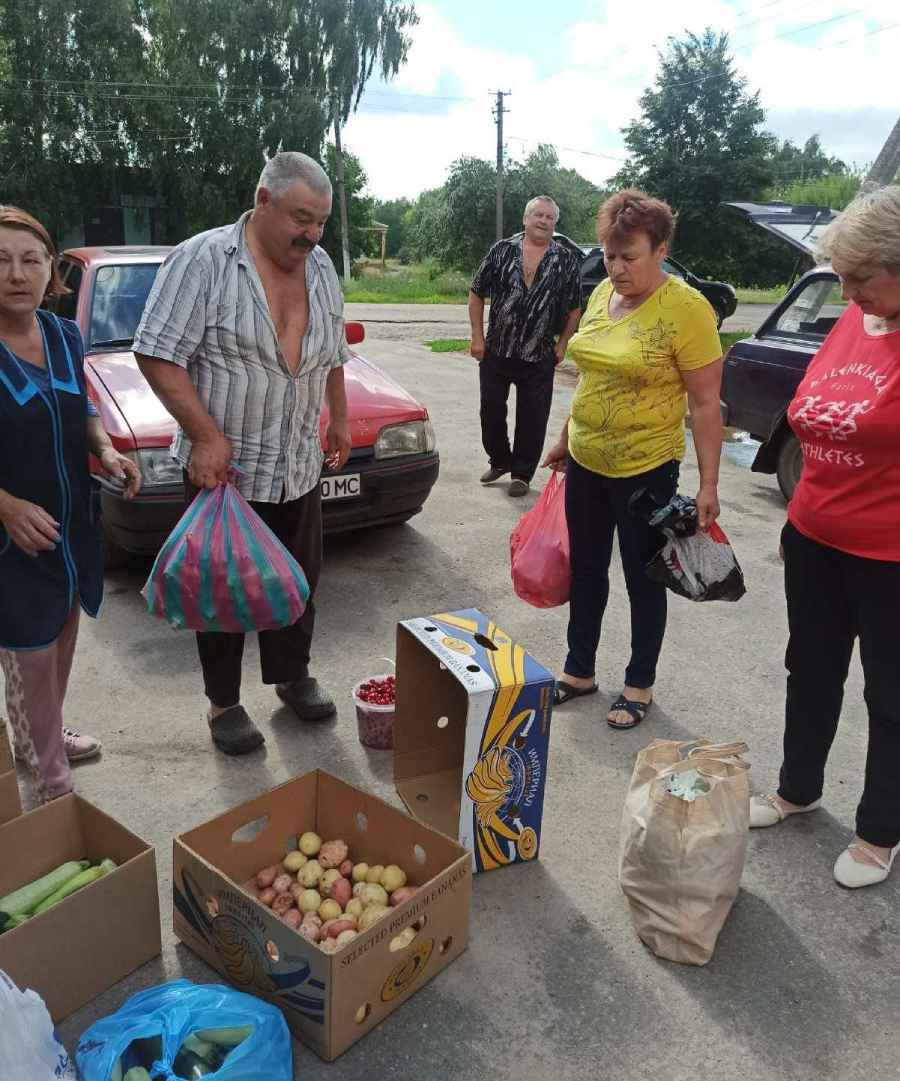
[[636, 710], [564, 692], [234, 733]]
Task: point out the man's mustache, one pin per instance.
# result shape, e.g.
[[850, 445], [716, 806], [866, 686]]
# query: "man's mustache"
[[304, 244]]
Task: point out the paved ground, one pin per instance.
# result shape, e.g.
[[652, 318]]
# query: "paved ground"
[[805, 984], [421, 322]]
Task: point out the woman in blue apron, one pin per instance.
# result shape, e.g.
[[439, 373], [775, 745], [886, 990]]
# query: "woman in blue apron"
[[51, 558]]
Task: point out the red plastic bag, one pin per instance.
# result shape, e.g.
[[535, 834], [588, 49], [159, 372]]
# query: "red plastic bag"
[[539, 549]]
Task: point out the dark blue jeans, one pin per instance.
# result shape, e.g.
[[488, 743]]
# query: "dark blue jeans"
[[597, 507]]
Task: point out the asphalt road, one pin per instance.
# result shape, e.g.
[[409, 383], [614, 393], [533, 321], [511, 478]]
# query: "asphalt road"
[[805, 982], [421, 322]]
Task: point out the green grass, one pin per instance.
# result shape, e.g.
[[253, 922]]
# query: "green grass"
[[733, 336], [751, 295], [449, 345], [419, 284]]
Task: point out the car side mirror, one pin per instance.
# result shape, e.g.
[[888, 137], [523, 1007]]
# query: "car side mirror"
[[355, 332]]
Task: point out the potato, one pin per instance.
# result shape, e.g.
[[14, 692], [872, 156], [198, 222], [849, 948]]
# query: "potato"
[[401, 895], [333, 854], [346, 868], [267, 896], [309, 900], [346, 936], [283, 883], [359, 872], [310, 843], [334, 927], [328, 945], [371, 915], [309, 874], [373, 894], [374, 873], [293, 918], [393, 877], [341, 891], [358, 888], [354, 908], [327, 878], [282, 903], [312, 917], [297, 891], [329, 910], [293, 861], [267, 876], [310, 931]]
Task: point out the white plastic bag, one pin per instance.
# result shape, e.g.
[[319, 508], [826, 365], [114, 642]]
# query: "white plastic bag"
[[28, 1045]]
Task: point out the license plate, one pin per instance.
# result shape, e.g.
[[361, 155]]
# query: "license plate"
[[344, 486]]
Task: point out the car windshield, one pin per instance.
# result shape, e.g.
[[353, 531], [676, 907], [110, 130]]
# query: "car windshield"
[[813, 311], [120, 293]]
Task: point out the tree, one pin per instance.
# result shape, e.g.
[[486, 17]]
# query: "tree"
[[359, 207], [699, 142], [793, 164], [455, 223], [62, 136], [393, 213], [188, 96]]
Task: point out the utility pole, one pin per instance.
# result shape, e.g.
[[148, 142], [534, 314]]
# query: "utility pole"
[[499, 110], [342, 195], [886, 166]]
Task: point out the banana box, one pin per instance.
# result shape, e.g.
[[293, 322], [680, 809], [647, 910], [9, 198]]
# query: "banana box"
[[471, 735]]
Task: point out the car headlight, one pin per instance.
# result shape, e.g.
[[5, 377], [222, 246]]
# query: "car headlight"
[[157, 466], [411, 437]]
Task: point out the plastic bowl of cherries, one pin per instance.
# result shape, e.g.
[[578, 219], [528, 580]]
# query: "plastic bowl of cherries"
[[374, 701]]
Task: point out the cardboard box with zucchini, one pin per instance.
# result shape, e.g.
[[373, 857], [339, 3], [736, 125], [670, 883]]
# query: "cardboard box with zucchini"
[[10, 804], [256, 890], [79, 903], [471, 735]]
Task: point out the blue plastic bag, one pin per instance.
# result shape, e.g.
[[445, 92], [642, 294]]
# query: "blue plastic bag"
[[176, 1010]]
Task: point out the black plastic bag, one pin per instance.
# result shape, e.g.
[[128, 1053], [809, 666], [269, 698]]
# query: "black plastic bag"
[[694, 563]]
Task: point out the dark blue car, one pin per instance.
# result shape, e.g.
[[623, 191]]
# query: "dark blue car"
[[762, 372]]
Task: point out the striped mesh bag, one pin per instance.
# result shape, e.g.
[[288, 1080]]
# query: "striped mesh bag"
[[222, 569]]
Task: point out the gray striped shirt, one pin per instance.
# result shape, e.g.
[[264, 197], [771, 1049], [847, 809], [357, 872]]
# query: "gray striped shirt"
[[207, 312]]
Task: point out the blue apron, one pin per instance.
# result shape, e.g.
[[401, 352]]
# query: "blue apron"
[[44, 459]]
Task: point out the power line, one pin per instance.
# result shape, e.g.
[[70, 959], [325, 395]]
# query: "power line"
[[570, 149]]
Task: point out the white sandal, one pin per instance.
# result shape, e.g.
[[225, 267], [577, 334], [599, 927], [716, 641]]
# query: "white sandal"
[[767, 811], [853, 874]]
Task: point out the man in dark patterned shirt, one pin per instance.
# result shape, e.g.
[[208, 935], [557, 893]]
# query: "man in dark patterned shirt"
[[535, 288]]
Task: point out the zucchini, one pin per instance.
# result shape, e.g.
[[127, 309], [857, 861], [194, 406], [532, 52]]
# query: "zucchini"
[[225, 1037], [22, 902], [84, 878]]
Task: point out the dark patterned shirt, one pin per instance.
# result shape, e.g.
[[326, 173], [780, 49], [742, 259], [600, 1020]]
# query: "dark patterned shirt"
[[523, 322]]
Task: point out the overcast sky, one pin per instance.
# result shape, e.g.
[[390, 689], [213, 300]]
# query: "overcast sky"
[[576, 68]]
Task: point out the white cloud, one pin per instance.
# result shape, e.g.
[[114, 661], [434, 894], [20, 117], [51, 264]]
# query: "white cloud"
[[817, 80]]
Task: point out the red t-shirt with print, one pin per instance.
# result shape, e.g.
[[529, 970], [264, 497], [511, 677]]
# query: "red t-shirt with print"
[[846, 414]]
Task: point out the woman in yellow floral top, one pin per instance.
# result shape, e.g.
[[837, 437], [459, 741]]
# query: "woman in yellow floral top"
[[647, 349]]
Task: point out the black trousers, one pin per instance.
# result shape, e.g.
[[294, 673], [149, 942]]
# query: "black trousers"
[[596, 508], [833, 598], [534, 395], [283, 654]]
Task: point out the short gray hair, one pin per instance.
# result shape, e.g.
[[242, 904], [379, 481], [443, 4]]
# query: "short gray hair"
[[284, 170], [532, 203], [868, 231]]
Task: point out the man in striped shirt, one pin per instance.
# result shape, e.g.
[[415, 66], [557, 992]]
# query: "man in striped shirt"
[[242, 340]]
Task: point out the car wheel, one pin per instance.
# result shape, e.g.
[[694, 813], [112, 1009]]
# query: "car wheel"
[[789, 465], [114, 557]]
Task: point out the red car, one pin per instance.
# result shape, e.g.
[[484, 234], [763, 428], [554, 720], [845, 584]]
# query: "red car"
[[392, 467]]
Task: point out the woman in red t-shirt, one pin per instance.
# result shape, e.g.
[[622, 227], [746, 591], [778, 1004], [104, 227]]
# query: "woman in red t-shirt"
[[841, 543]]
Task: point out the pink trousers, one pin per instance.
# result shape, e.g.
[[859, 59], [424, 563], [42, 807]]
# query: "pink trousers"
[[36, 682]]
